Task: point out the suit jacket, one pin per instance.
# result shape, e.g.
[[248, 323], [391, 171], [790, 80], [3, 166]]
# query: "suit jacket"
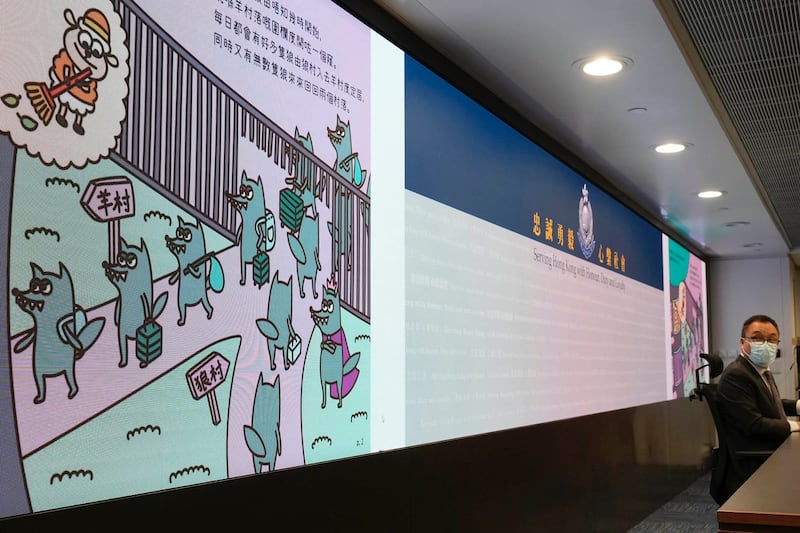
[[751, 421]]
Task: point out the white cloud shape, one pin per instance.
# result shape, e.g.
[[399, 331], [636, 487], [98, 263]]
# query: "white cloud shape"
[[31, 36]]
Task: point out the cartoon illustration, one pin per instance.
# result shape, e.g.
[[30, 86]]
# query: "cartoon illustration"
[[305, 245], [77, 68], [256, 232], [348, 166], [132, 275], [365, 207], [263, 437], [347, 163], [291, 204], [304, 242], [303, 169], [277, 327], [126, 132], [189, 247], [687, 339], [60, 335], [337, 366]]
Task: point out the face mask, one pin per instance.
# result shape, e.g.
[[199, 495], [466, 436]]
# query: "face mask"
[[763, 354]]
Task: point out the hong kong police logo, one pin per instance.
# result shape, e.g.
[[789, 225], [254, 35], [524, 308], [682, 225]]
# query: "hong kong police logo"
[[585, 224]]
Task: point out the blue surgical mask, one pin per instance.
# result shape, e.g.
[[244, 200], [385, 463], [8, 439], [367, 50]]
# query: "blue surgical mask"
[[763, 353]]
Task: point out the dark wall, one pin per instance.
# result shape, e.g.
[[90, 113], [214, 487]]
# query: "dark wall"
[[603, 472]]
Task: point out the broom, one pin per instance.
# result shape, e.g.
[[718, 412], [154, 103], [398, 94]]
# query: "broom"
[[43, 97]]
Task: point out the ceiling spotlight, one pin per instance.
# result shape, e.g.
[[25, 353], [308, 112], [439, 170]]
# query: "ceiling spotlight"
[[603, 65], [710, 194], [671, 147]]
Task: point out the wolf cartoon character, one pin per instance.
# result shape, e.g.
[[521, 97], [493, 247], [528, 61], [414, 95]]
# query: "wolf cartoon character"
[[189, 247], [305, 245], [304, 172], [337, 366], [263, 436], [277, 327], [347, 163], [60, 335], [256, 231], [348, 166], [132, 275]]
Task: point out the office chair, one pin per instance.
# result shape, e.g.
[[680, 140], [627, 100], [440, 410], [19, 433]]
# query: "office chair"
[[723, 457]]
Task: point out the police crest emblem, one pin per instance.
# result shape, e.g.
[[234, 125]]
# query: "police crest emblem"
[[585, 224]]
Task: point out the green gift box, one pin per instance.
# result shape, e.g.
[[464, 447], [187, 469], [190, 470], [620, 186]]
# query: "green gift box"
[[261, 269], [148, 342], [291, 209]]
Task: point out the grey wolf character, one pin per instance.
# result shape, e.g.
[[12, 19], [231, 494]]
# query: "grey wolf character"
[[277, 327], [305, 245], [254, 233], [189, 247], [132, 275], [303, 166], [337, 366], [78, 66], [60, 334], [348, 166], [263, 438]]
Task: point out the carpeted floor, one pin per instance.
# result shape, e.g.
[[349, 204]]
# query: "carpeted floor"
[[691, 511]]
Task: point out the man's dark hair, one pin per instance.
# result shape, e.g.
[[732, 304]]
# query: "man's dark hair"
[[758, 318]]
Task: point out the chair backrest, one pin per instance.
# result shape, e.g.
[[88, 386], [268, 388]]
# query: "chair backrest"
[[722, 457], [708, 392], [714, 364]]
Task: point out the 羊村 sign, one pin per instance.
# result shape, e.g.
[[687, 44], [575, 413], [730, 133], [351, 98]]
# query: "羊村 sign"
[[110, 198]]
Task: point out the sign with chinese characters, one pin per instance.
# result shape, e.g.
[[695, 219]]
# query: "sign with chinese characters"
[[206, 376], [110, 198]]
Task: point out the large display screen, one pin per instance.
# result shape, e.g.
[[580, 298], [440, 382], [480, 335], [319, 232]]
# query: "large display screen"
[[250, 236]]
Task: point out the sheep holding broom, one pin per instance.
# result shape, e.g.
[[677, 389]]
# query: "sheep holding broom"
[[77, 67], [81, 90]]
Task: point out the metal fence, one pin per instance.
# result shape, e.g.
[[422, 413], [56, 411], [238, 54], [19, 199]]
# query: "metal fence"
[[182, 135]]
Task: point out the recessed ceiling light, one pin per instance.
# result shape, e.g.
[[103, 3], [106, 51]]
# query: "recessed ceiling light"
[[671, 147], [710, 194], [603, 65]]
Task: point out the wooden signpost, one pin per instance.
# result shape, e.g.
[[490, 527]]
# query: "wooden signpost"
[[109, 200], [204, 377]]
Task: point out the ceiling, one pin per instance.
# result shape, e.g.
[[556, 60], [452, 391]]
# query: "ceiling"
[[722, 75]]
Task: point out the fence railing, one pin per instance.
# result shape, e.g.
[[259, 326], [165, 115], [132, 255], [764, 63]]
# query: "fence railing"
[[182, 136]]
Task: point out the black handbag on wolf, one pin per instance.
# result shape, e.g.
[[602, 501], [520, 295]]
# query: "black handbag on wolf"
[[148, 342]]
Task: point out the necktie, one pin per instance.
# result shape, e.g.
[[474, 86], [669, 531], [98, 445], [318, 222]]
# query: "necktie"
[[776, 395]]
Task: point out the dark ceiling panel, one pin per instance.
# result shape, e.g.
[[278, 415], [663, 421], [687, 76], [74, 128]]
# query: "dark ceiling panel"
[[751, 51]]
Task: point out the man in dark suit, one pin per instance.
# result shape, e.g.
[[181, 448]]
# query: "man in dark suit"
[[750, 404]]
